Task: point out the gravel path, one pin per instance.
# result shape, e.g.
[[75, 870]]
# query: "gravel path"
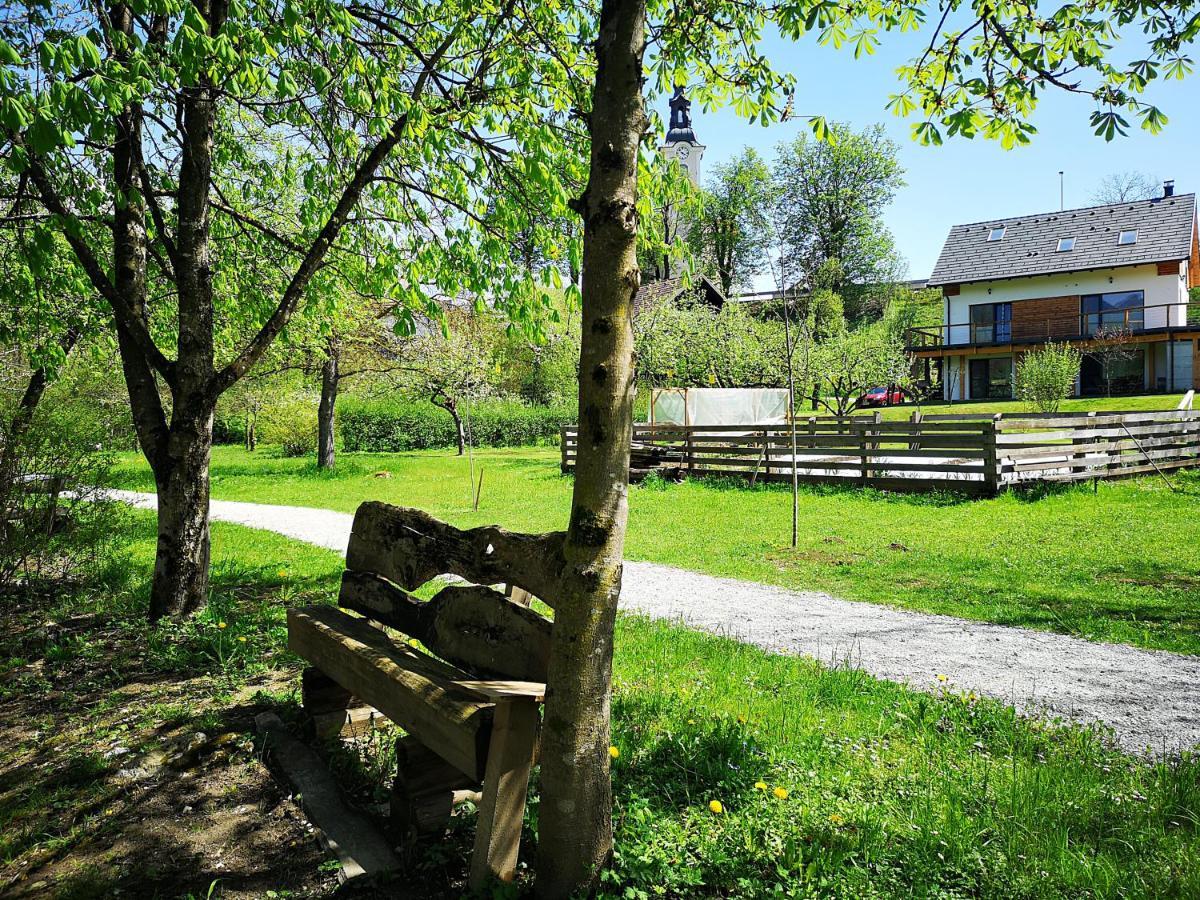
[[1150, 698]]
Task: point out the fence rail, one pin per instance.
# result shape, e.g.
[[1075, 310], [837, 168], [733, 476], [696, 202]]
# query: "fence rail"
[[965, 453]]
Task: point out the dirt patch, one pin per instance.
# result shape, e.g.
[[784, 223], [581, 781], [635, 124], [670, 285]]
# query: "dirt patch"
[[120, 779], [95, 802]]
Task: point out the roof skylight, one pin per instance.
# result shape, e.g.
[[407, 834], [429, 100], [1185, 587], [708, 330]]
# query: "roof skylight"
[[997, 233], [1065, 244], [1127, 237]]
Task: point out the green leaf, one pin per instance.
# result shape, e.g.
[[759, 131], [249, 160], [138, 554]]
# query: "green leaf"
[[9, 56]]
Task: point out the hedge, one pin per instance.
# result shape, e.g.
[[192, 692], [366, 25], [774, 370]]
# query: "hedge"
[[389, 427]]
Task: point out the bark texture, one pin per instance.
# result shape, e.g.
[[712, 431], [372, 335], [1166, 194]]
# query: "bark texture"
[[326, 409], [575, 830], [450, 405]]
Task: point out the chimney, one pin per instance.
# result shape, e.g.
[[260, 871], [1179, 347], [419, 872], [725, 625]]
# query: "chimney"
[[1169, 188]]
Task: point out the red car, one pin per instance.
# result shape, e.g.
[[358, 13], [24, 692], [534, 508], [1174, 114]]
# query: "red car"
[[882, 397]]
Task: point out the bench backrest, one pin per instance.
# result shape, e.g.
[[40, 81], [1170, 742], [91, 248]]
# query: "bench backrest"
[[394, 550]]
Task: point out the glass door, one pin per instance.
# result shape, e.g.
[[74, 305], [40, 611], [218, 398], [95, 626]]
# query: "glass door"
[[991, 323], [991, 379]]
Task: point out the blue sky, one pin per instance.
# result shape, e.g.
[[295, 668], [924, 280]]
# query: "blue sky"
[[964, 181]]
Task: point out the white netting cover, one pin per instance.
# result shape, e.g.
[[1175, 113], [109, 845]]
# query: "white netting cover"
[[720, 406]]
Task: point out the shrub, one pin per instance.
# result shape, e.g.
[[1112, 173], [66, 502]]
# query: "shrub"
[[229, 427], [290, 422], [55, 521], [390, 426], [1046, 377]]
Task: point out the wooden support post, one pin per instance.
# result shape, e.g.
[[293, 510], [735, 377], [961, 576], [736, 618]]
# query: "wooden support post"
[[991, 458], [426, 790], [1078, 466], [688, 456], [871, 446], [861, 430], [1196, 364], [962, 378], [321, 694], [505, 782], [764, 456], [518, 594]]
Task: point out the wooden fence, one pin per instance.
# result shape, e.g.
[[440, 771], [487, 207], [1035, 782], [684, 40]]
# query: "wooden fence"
[[965, 452]]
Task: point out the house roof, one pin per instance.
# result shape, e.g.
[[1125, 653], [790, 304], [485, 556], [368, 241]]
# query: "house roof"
[[668, 290], [1030, 243]]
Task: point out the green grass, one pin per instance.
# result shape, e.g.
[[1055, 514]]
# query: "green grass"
[[890, 792], [1148, 402], [1116, 565]]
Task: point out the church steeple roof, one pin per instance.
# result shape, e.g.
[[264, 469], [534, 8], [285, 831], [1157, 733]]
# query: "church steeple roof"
[[681, 119]]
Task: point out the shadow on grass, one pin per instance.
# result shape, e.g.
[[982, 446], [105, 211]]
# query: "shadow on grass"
[[130, 764]]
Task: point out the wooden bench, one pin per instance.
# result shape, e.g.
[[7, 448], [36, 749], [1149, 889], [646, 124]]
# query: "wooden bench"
[[470, 706]]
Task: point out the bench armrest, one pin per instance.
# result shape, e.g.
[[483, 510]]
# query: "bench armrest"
[[499, 691]]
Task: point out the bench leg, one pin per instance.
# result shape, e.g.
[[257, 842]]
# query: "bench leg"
[[330, 706], [426, 790], [505, 782]]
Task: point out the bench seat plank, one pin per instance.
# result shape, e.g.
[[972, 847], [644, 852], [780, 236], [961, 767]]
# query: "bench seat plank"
[[422, 695]]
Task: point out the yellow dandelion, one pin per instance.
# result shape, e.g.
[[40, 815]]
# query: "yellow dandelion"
[[941, 677], [283, 573], [241, 639], [780, 793], [691, 721], [222, 625], [836, 819], [716, 807], [741, 720], [614, 752], [760, 785]]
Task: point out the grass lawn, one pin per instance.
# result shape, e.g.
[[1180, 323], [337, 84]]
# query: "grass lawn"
[[1115, 565], [883, 791], [1148, 402]]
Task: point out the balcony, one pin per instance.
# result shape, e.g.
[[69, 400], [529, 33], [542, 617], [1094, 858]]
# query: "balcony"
[[1164, 319]]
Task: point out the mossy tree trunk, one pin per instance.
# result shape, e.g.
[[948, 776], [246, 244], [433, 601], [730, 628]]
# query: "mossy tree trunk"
[[575, 830], [327, 408]]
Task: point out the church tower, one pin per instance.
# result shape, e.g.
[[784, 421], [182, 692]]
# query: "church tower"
[[682, 147], [681, 144]]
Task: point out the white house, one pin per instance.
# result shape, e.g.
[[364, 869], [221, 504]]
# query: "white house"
[[1093, 277]]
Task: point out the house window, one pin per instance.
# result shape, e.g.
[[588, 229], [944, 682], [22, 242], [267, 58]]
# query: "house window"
[[1122, 310], [991, 379], [991, 323], [1065, 244], [1113, 376], [997, 234], [1127, 237]]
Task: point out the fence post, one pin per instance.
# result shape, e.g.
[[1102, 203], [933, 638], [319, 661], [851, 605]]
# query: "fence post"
[[767, 451], [915, 419], [1084, 441], [562, 444], [991, 456]]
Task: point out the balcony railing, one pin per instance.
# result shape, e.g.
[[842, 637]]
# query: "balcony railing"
[[1161, 317]]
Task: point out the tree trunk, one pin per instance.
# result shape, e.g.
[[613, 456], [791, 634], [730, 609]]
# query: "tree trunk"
[[35, 389], [180, 585], [325, 410], [575, 818], [460, 432]]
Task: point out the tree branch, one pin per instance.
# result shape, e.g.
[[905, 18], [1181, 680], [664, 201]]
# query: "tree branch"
[[329, 232]]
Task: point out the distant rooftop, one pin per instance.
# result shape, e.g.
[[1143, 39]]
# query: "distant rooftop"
[[1117, 234]]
